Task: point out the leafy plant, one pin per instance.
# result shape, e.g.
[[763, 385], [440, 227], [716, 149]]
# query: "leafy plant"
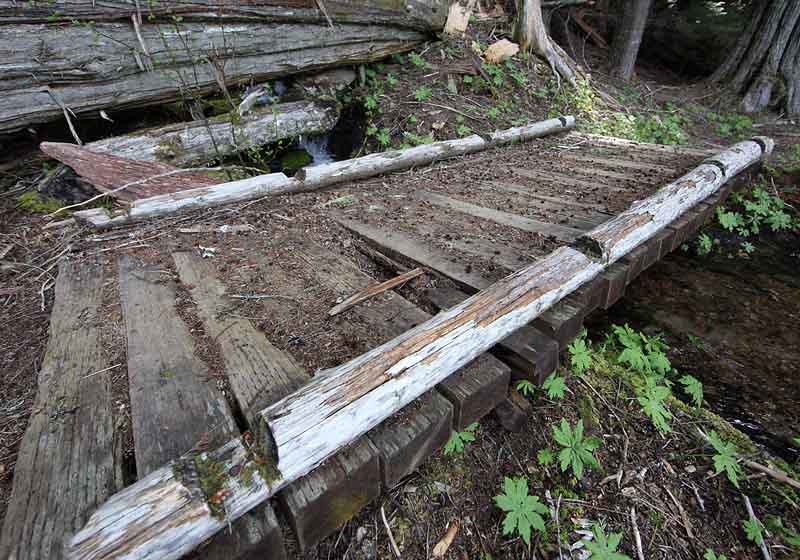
[[545, 456], [725, 458], [383, 137], [391, 80], [422, 93], [576, 450], [417, 60], [651, 399], [604, 547], [747, 247], [457, 439], [753, 530], [693, 388], [463, 130], [696, 341], [704, 244], [579, 355], [522, 511], [555, 386], [525, 387], [711, 555]]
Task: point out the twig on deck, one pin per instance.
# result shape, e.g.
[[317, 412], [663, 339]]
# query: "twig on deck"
[[636, 535], [761, 544], [375, 290], [389, 532]]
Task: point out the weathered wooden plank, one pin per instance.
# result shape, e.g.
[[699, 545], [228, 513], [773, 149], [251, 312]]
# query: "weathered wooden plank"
[[157, 516], [68, 463], [530, 353], [617, 162], [632, 146], [554, 201], [398, 244], [514, 412], [174, 403], [474, 390], [563, 321], [546, 229], [259, 374], [199, 142], [615, 238], [564, 180], [613, 281], [411, 436], [328, 497]]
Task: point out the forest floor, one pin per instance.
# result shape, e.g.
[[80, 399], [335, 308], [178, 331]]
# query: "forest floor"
[[726, 309]]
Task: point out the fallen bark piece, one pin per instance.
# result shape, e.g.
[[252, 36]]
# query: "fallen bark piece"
[[199, 142], [110, 173], [458, 18], [500, 51], [443, 545], [160, 516], [373, 291], [218, 229], [319, 176]]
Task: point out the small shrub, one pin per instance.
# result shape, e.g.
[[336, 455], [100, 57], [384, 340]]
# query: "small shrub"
[[457, 439], [522, 511], [576, 450]]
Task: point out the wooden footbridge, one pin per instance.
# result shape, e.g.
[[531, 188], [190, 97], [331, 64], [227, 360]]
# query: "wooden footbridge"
[[222, 318]]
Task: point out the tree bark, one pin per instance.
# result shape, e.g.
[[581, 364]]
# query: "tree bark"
[[531, 34], [115, 57], [628, 37], [199, 142], [764, 66]]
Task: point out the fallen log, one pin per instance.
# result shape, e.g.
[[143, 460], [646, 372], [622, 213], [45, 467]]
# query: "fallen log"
[[319, 176], [73, 57], [161, 516], [199, 142], [616, 237]]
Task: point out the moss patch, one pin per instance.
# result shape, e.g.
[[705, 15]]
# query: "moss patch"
[[32, 201]]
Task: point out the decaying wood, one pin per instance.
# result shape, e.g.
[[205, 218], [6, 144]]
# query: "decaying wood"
[[615, 238], [158, 517], [173, 404], [199, 142], [373, 291], [67, 463], [319, 176], [500, 51], [83, 57], [458, 18], [110, 173]]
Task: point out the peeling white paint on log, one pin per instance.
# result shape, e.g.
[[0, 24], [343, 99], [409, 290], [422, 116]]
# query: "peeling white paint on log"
[[645, 218], [317, 177], [158, 517]]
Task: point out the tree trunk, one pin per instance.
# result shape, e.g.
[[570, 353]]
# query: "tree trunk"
[[71, 56], [764, 66], [628, 37], [531, 34]]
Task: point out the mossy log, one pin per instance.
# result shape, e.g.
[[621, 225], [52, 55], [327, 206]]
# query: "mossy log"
[[80, 57]]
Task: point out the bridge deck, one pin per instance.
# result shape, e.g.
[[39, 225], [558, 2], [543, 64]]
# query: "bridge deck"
[[221, 321]]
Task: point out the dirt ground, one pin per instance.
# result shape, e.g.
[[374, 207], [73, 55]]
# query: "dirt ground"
[[741, 314]]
